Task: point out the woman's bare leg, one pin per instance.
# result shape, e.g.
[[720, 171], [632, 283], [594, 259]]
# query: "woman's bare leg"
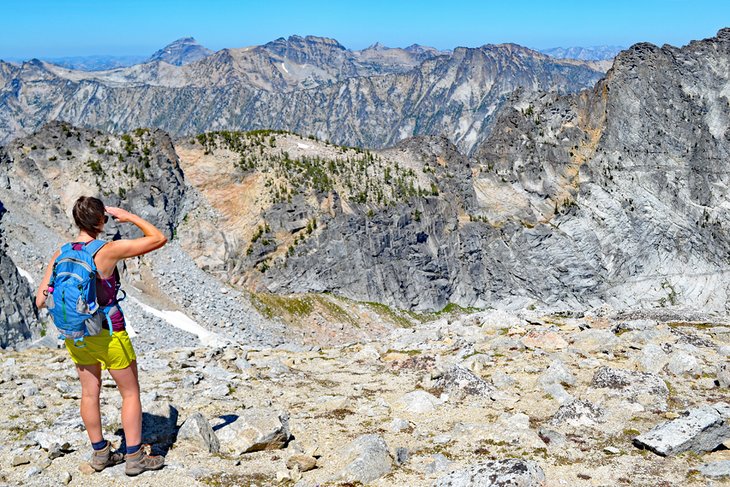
[[128, 386], [90, 377]]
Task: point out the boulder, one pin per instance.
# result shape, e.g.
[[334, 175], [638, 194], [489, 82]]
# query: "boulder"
[[510, 472], [255, 430], [197, 433], [557, 373], [642, 387], [418, 402], [578, 413], [363, 460], [460, 382], [301, 462], [716, 470], [682, 363], [653, 358], [701, 430]]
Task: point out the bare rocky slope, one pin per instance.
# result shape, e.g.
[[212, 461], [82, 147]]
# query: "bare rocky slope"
[[309, 85]]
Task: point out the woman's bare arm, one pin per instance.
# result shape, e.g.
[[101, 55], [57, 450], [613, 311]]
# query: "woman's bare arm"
[[40, 297], [117, 250]]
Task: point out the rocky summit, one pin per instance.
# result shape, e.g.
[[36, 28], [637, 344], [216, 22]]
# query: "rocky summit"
[[491, 398]]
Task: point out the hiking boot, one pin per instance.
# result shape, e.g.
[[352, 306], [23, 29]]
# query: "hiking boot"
[[141, 461], [105, 458]]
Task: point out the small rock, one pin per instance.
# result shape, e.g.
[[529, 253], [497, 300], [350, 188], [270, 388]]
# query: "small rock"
[[592, 341], [716, 470], [512, 472], [418, 402], [398, 425], [558, 373], [33, 471], [20, 460], [303, 463], [723, 375], [681, 363], [612, 450], [439, 464], [401, 455], [65, 477], [702, 429], [500, 380], [196, 432], [547, 340], [578, 413]]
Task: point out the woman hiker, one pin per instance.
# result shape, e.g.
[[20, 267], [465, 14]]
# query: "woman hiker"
[[111, 351]]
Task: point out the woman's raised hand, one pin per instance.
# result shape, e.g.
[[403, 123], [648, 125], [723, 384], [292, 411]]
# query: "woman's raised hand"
[[120, 215]]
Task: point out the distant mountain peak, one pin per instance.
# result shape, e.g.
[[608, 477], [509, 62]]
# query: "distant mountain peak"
[[181, 51], [591, 53]]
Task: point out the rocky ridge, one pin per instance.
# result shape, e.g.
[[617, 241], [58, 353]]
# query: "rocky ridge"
[[526, 398]]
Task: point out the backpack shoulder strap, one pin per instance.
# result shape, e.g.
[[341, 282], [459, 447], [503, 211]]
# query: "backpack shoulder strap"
[[67, 247], [94, 246]]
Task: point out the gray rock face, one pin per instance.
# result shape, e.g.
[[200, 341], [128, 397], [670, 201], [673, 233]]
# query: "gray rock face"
[[364, 460], [18, 313], [701, 430], [512, 472]]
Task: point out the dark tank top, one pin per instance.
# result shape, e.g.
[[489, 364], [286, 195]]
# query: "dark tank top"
[[106, 294]]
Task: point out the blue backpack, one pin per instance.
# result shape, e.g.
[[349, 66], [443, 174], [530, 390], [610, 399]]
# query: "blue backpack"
[[72, 293]]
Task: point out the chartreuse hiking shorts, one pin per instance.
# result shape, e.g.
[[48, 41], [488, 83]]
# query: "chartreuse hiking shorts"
[[111, 351]]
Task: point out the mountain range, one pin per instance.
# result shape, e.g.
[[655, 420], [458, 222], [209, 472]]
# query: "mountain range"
[[309, 85], [613, 196]]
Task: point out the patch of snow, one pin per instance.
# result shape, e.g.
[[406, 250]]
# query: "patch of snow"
[[283, 66], [27, 275], [180, 320], [302, 146]]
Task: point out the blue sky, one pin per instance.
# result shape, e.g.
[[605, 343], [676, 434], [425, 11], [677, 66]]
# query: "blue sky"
[[49, 28]]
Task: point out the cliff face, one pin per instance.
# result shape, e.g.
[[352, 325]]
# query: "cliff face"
[[370, 98], [18, 314], [47, 171]]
